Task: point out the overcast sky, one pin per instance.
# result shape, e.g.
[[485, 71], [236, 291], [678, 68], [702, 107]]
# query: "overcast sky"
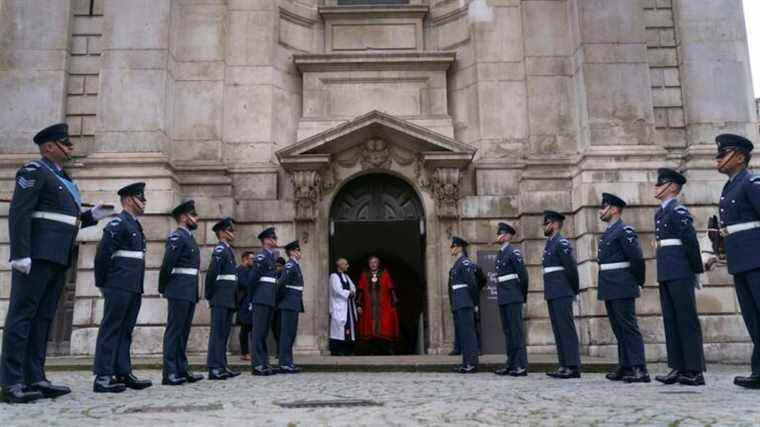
[[752, 15]]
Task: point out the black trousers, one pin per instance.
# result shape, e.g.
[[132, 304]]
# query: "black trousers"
[[457, 348], [288, 330], [514, 338], [262, 315], [748, 293], [115, 333], [176, 334], [683, 333], [243, 336], [464, 322], [565, 335], [221, 325], [31, 311], [276, 327], [630, 344]]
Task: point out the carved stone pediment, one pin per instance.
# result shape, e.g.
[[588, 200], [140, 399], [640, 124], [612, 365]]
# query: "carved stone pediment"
[[378, 141]]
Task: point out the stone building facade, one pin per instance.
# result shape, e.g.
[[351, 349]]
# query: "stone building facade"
[[482, 111]]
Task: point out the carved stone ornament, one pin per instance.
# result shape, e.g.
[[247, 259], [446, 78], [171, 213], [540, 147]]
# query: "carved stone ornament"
[[445, 184], [306, 186], [375, 154]]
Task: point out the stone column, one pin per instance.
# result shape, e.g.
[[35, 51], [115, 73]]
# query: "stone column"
[[33, 47]]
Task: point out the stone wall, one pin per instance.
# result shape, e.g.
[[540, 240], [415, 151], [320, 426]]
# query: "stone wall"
[[562, 99]]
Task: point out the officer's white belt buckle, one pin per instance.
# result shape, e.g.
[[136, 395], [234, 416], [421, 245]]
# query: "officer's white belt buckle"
[[506, 277], [52, 216], [614, 265], [744, 226], [183, 270], [669, 242], [268, 279], [230, 277], [129, 254], [548, 270], [298, 288], [459, 286]]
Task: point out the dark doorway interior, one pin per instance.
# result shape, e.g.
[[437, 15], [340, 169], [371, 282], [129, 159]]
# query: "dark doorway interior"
[[381, 215]]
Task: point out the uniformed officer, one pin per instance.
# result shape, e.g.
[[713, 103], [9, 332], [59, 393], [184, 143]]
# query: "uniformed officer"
[[740, 226], [463, 288], [561, 285], [220, 289], [621, 273], [262, 285], [289, 305], [244, 314], [43, 221], [678, 264], [119, 273], [178, 282], [512, 292]]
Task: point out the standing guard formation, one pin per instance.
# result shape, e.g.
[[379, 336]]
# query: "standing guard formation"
[[46, 213]]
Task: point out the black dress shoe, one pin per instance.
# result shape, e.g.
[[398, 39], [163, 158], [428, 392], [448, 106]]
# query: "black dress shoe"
[[468, 369], [17, 394], [192, 377], [107, 384], [456, 368], [691, 378], [262, 371], [638, 375], [285, 369], [752, 381], [567, 373], [173, 379], [556, 374], [131, 381], [217, 374], [230, 373], [518, 372], [618, 374], [49, 391], [671, 378], [501, 371]]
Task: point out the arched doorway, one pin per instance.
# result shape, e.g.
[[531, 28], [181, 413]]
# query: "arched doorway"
[[380, 214]]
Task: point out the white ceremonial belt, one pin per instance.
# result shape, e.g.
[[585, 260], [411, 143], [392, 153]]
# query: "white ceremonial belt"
[[614, 265], [506, 277], [459, 286], [744, 226], [52, 216], [230, 277], [548, 270], [298, 288], [669, 242], [268, 279], [183, 270], [129, 254]]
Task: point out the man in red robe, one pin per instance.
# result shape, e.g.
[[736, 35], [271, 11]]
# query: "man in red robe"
[[378, 319]]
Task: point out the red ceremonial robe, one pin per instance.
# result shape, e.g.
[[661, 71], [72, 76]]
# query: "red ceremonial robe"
[[379, 319]]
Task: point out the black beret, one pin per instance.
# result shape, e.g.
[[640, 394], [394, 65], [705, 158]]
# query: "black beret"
[[280, 260], [56, 132], [458, 241], [553, 216], [223, 224], [185, 207], [665, 175], [505, 228], [730, 141], [612, 200], [268, 232], [135, 189], [294, 245]]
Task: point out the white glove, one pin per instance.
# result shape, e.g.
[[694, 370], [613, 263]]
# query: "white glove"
[[23, 265], [99, 211], [699, 281]]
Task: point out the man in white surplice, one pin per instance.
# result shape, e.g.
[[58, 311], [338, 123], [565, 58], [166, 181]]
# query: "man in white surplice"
[[343, 312]]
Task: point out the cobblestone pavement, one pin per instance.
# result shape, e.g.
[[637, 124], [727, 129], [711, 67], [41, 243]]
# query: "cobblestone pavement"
[[401, 399]]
